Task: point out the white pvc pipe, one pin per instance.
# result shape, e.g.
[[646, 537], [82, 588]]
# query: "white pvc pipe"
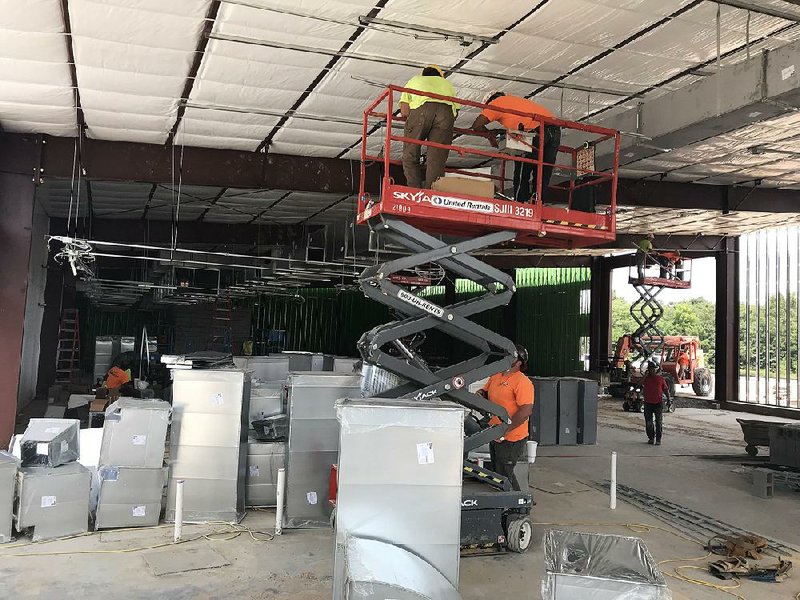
[[279, 507], [613, 488], [178, 510]]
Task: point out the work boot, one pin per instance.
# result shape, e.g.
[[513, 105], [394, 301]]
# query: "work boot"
[[650, 441], [658, 442]]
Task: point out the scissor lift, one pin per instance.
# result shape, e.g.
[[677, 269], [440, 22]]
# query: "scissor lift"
[[494, 517], [656, 274]]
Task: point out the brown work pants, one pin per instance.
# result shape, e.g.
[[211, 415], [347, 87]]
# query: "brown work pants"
[[433, 121]]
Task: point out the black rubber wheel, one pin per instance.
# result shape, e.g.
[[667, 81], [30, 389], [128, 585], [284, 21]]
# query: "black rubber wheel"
[[751, 450], [626, 406], [520, 535], [639, 407], [702, 383]]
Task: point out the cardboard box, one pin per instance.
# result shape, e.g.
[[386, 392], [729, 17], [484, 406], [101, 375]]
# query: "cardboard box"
[[467, 186]]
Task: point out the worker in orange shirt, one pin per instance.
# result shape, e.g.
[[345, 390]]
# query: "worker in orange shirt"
[[525, 174], [683, 363], [513, 391]]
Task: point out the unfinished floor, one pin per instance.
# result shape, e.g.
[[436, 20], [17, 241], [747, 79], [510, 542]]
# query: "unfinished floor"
[[698, 466]]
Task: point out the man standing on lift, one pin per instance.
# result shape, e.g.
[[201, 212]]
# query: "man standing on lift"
[[427, 119], [525, 174]]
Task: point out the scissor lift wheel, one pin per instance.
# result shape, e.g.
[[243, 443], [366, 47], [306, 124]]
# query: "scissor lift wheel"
[[520, 534]]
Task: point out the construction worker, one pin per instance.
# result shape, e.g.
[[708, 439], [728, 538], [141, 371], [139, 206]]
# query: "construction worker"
[[525, 174], [654, 386], [513, 391], [428, 119], [683, 363], [643, 248]]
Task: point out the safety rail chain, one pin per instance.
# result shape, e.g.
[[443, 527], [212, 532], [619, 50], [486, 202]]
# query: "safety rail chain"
[[538, 224], [495, 353]]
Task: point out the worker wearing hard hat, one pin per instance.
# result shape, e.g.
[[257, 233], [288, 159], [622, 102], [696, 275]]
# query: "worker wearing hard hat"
[[644, 248], [513, 391], [525, 174], [427, 119]]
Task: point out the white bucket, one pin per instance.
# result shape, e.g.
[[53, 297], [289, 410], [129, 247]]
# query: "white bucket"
[[530, 447]]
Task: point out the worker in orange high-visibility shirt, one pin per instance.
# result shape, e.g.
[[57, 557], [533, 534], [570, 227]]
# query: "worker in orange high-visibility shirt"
[[513, 391], [525, 174], [116, 378], [683, 363]]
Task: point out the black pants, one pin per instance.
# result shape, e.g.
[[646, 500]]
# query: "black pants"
[[505, 456], [650, 411], [526, 174]]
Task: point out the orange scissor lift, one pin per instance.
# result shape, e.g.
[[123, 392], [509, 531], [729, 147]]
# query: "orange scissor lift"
[[447, 229]]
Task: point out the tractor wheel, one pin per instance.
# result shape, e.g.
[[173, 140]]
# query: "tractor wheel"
[[520, 534], [751, 450], [702, 382], [670, 384], [626, 406]]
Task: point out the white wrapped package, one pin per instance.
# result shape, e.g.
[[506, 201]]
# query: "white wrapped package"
[[593, 566]]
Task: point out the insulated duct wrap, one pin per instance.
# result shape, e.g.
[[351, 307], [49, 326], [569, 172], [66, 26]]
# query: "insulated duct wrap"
[[593, 566], [313, 444], [399, 482]]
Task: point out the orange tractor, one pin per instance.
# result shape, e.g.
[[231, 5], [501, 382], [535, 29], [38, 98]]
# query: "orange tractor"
[[680, 359]]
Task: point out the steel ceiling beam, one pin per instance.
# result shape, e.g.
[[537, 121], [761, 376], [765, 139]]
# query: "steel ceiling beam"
[[747, 93], [73, 73], [199, 53], [151, 163], [764, 10]]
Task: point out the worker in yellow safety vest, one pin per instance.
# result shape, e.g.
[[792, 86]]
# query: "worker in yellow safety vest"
[[427, 119]]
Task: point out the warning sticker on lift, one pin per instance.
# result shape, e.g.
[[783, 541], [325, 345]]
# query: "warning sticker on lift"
[[413, 300]]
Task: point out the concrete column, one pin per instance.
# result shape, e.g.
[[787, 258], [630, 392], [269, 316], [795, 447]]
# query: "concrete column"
[[726, 363], [600, 314], [18, 176]]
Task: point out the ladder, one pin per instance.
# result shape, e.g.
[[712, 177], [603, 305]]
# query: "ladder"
[[221, 325], [414, 315], [68, 352]]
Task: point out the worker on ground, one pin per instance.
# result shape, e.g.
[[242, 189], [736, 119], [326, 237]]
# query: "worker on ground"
[[429, 119], [683, 363], [513, 391], [644, 248], [525, 174], [654, 386]]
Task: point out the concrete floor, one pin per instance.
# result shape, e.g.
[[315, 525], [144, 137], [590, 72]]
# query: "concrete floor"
[[696, 467]]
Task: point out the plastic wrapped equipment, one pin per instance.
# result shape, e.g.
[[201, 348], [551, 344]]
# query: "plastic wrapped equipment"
[[50, 442], [593, 566]]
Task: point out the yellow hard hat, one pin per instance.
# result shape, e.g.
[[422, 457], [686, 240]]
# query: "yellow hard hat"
[[437, 68]]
